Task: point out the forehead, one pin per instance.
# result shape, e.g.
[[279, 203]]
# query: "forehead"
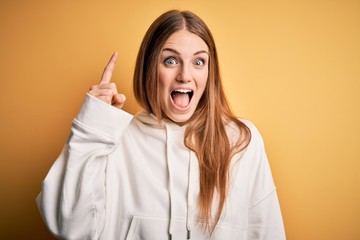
[[184, 41]]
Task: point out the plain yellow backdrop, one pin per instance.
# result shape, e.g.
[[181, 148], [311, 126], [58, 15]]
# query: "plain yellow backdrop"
[[291, 67]]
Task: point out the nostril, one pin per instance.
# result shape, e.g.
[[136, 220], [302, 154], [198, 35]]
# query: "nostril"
[[183, 80], [184, 75]]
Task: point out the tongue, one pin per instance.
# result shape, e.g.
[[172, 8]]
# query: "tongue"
[[181, 99]]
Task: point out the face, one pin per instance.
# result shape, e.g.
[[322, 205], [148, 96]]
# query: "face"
[[183, 73]]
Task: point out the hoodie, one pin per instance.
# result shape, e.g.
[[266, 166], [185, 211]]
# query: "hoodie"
[[131, 177]]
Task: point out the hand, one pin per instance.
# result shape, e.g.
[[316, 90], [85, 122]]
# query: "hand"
[[106, 91]]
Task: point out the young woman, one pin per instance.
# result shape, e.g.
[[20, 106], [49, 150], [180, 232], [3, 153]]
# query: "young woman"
[[184, 168]]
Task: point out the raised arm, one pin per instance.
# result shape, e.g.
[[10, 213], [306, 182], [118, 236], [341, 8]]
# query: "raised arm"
[[72, 201]]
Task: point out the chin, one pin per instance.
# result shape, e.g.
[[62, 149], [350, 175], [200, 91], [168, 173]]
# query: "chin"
[[180, 119], [177, 115]]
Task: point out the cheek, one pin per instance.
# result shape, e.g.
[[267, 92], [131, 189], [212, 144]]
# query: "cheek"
[[202, 80], [165, 76], [164, 82]]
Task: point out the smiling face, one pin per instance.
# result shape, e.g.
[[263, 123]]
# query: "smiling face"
[[183, 73]]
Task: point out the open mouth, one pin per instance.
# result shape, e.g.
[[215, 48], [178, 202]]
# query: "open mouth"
[[182, 97]]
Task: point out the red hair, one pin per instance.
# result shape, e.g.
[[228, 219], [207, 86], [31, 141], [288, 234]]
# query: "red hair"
[[206, 132]]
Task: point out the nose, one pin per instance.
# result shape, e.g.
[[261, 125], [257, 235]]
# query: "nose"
[[184, 75]]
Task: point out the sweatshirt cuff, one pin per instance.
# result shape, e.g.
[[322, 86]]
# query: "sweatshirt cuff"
[[102, 117]]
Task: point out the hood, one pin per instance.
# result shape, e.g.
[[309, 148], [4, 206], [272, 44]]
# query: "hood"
[[150, 119], [169, 127]]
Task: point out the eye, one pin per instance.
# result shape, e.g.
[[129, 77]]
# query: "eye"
[[170, 61], [199, 62]]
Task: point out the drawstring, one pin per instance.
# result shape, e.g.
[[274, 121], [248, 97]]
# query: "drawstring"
[[189, 194], [169, 158]]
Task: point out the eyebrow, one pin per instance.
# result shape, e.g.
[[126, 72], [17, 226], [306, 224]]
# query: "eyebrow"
[[176, 52]]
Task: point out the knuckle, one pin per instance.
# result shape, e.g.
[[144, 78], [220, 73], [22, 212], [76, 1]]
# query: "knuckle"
[[109, 92], [113, 85]]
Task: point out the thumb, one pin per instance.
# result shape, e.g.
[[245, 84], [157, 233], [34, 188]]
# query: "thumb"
[[118, 100]]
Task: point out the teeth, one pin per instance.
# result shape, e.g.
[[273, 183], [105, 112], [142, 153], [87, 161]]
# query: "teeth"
[[183, 91]]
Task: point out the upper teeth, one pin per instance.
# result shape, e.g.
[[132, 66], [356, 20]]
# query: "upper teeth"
[[183, 90]]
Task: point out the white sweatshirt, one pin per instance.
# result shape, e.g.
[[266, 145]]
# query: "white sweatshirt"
[[129, 177]]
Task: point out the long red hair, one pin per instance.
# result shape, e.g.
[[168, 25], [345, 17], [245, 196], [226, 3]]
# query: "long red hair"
[[206, 132]]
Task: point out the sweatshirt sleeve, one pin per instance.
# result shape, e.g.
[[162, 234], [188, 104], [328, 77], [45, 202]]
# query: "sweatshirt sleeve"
[[265, 219], [72, 200]]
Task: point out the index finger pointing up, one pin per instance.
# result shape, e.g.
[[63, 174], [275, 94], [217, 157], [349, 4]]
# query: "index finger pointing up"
[[106, 76]]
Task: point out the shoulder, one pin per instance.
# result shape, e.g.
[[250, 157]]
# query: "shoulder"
[[235, 131], [256, 144], [255, 133]]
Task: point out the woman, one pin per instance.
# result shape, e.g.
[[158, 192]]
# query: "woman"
[[184, 168]]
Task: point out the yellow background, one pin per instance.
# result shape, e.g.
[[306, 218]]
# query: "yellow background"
[[291, 67]]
